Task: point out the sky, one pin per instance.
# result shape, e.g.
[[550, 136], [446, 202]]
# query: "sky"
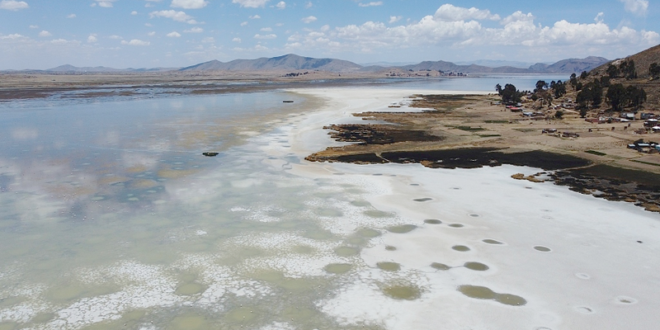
[[42, 34]]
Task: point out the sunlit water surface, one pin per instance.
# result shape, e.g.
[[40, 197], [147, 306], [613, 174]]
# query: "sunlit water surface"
[[110, 217]]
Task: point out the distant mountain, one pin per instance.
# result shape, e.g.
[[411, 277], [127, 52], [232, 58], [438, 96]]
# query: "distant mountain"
[[497, 63], [564, 66], [386, 64], [101, 69], [71, 68], [293, 62], [571, 65], [282, 63]]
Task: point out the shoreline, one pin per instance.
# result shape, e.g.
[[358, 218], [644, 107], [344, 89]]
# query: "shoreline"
[[469, 132], [538, 241]]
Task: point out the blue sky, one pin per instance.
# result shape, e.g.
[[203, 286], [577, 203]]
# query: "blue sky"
[[40, 34]]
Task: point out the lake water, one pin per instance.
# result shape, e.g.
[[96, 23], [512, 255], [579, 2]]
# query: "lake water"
[[110, 218]]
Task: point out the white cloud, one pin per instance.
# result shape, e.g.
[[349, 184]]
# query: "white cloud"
[[63, 41], [174, 34], [266, 29], [194, 30], [460, 28], [135, 42], [251, 3], [309, 19], [371, 4], [92, 39], [637, 7], [13, 5], [599, 17], [104, 3], [265, 37], [34, 26], [281, 5], [71, 16], [189, 4], [255, 17], [208, 40], [45, 33], [12, 36], [244, 23], [394, 19], [115, 37], [134, 12], [151, 34], [451, 13], [178, 16], [237, 40], [309, 4]]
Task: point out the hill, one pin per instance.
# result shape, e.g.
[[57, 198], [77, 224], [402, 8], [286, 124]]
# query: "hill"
[[642, 62], [289, 62], [293, 62], [571, 65], [568, 66], [67, 68]]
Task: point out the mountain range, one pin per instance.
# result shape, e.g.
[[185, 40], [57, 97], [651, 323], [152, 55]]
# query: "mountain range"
[[292, 62]]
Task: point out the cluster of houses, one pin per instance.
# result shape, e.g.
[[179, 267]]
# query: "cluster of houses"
[[534, 115], [650, 121], [554, 132], [642, 146]]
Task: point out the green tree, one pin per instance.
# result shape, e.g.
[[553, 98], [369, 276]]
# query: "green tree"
[[559, 114], [616, 96], [605, 81], [583, 112], [627, 68], [498, 88], [511, 94], [613, 71], [654, 70], [559, 89], [636, 96], [574, 81], [584, 75], [541, 85]]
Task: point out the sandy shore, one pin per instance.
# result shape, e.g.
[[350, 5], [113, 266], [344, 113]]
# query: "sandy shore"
[[484, 251]]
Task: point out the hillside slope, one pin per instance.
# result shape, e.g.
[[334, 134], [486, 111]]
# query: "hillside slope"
[[282, 63]]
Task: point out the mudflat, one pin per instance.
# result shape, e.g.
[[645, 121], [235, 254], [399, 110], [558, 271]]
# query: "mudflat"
[[467, 131]]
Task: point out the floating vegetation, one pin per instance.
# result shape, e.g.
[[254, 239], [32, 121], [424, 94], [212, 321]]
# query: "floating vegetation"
[[338, 268], [433, 221], [492, 241], [369, 233], [476, 266], [347, 251], [460, 248], [440, 266], [401, 229], [402, 292], [421, 200], [390, 248], [389, 266], [542, 249], [456, 225], [482, 292], [377, 214]]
